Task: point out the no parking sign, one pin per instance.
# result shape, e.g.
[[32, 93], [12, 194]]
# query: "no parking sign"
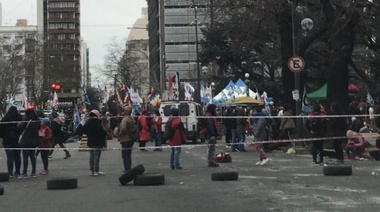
[[296, 63]]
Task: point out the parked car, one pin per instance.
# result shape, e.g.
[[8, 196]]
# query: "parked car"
[[188, 111]]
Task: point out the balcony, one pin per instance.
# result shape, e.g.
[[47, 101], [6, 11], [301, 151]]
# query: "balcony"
[[64, 20], [63, 9], [61, 30]]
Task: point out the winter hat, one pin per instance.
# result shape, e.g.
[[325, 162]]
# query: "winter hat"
[[46, 121], [96, 113], [351, 134], [128, 110], [174, 111]]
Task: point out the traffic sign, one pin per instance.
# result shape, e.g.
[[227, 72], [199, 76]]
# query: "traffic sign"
[[296, 63]]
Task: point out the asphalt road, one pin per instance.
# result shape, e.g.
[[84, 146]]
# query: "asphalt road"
[[286, 183]]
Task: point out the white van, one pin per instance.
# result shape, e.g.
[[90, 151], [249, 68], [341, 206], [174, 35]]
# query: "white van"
[[188, 111]]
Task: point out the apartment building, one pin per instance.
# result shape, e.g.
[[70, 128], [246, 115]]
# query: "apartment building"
[[18, 70], [59, 22]]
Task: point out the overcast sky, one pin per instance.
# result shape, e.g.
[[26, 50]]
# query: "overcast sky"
[[101, 20]]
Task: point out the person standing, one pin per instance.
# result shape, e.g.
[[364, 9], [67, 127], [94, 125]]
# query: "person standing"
[[10, 140], [232, 124], [211, 134], [338, 128], [260, 122], [157, 130], [58, 135], [316, 125], [372, 119], [96, 134], [144, 130], [287, 125], [45, 133], [29, 140], [240, 129], [176, 141], [227, 127], [127, 138]]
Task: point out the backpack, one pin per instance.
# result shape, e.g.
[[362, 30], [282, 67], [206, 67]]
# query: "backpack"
[[134, 132], [202, 126], [169, 130], [317, 124]]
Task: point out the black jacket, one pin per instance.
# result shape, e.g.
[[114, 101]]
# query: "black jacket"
[[30, 138], [95, 132], [9, 131]]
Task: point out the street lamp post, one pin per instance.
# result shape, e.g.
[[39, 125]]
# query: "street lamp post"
[[296, 74], [197, 52], [247, 82]]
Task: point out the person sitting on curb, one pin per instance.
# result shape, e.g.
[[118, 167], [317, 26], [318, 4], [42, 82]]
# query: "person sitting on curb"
[[355, 145]]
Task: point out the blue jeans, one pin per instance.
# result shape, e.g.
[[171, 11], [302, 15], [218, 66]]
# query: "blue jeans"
[[94, 159], [158, 139], [241, 138], [175, 157], [13, 157], [26, 154], [233, 139], [211, 149]]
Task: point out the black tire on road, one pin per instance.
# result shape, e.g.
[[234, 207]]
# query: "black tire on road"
[[225, 176], [131, 174], [4, 176], [1, 190], [149, 179], [62, 183], [337, 170]]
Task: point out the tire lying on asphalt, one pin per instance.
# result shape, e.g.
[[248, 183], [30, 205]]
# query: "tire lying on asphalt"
[[337, 170], [149, 179], [225, 176], [62, 183], [4, 176], [1, 190], [131, 174]]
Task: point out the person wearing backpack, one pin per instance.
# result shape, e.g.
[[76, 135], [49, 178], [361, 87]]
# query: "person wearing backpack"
[[175, 138], [338, 128], [128, 134], [316, 124]]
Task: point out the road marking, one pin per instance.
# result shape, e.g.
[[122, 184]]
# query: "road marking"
[[257, 177]]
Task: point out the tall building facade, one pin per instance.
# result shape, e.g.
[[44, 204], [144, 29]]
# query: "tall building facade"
[[17, 50], [177, 24], [59, 22], [137, 51]]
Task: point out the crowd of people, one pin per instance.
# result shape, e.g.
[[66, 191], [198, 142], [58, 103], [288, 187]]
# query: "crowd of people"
[[28, 136], [25, 137]]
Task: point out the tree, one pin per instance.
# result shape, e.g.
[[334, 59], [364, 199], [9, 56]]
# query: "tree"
[[125, 65], [341, 28]]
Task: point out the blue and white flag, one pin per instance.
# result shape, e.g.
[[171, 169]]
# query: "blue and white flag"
[[305, 107], [85, 96], [77, 117], [370, 100]]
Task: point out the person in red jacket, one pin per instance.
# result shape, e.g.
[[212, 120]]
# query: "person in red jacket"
[[157, 130], [46, 135], [144, 130], [177, 139]]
